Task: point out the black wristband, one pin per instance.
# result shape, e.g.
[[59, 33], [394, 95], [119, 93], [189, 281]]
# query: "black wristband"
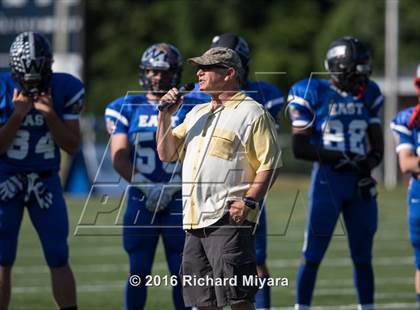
[[250, 202]]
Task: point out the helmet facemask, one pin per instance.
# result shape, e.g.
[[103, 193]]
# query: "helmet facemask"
[[164, 59], [158, 81], [348, 62]]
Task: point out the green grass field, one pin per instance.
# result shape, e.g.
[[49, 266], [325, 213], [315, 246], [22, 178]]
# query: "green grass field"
[[101, 265]]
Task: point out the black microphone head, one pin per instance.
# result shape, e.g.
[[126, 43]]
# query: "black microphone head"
[[189, 86]]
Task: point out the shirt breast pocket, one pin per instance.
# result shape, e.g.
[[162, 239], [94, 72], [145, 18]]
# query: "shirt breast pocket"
[[223, 144]]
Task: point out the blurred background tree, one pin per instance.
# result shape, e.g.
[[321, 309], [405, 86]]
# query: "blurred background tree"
[[284, 36]]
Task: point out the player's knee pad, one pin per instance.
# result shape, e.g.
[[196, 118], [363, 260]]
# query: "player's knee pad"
[[361, 257], [141, 263], [310, 264], [56, 255], [7, 260], [362, 266], [261, 256], [8, 247]]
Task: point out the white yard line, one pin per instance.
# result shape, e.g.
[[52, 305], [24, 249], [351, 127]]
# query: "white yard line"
[[277, 263], [399, 306]]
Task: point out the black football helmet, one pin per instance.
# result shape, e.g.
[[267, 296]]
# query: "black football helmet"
[[239, 45], [348, 61], [164, 57], [31, 62]]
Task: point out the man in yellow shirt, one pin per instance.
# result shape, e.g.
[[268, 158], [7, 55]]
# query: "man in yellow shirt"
[[230, 158]]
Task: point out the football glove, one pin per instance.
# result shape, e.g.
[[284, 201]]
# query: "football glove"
[[36, 191], [157, 195], [161, 195], [158, 199], [366, 188], [414, 117], [11, 187]]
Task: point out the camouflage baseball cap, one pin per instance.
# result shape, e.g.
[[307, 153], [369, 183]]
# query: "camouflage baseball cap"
[[221, 56]]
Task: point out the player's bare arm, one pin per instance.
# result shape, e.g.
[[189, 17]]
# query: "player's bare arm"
[[120, 155], [166, 144], [409, 162], [22, 105], [66, 134]]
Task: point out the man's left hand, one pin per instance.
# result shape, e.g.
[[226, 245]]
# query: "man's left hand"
[[44, 104], [238, 211]]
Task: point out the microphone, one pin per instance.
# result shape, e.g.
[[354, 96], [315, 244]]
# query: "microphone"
[[183, 90]]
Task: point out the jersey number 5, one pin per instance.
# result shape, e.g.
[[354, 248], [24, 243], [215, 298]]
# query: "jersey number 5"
[[146, 156]]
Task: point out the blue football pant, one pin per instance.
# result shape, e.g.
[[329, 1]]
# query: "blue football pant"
[[330, 195], [141, 232], [51, 225], [413, 201]]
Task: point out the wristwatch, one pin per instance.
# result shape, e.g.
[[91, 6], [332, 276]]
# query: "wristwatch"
[[250, 202]]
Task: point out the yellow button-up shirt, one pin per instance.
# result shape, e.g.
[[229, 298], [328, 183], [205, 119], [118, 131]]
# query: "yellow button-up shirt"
[[222, 151]]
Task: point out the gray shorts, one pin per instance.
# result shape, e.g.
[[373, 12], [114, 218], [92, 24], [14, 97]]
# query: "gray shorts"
[[214, 258]]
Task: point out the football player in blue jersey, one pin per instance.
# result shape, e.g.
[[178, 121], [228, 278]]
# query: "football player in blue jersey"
[[406, 128], [153, 208], [336, 125], [39, 113], [273, 100]]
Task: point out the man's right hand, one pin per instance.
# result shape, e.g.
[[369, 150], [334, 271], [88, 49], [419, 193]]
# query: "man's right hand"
[[22, 104], [171, 101]]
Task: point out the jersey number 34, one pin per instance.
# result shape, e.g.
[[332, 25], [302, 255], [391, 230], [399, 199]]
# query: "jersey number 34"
[[19, 149]]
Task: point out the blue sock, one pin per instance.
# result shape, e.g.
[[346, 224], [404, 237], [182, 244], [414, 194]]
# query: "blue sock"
[[135, 296], [418, 299], [305, 283], [364, 282], [263, 297]]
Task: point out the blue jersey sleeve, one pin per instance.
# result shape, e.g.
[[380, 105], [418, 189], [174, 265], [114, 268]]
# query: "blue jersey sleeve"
[[375, 101], [116, 118], [402, 134], [301, 103], [73, 101], [3, 102], [6, 91]]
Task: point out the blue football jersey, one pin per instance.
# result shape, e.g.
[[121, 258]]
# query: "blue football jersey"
[[265, 93], [339, 121], [136, 117], [405, 138], [33, 149]]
